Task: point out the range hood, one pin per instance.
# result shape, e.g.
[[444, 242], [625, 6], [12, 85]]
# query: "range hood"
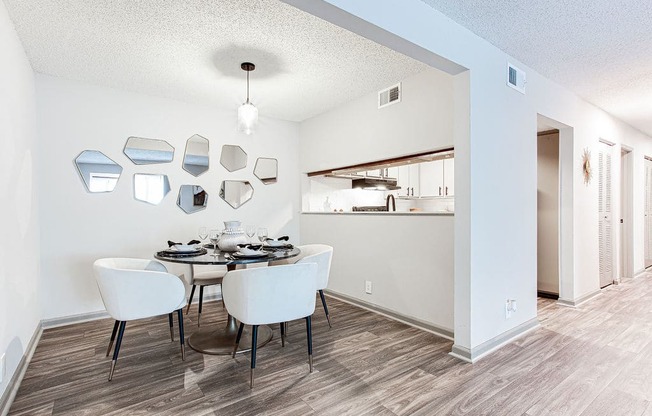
[[375, 183]]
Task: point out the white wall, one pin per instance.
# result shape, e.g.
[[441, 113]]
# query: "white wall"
[[408, 258], [496, 164], [79, 227], [548, 213], [19, 248], [358, 132]]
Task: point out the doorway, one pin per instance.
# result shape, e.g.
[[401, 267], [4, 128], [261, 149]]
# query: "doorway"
[[648, 212], [605, 210], [548, 191]]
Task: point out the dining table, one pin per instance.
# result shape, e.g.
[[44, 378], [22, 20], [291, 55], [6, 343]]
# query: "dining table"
[[221, 340]]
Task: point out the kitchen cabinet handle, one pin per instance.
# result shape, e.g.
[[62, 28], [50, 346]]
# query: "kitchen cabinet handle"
[[440, 191], [447, 190]]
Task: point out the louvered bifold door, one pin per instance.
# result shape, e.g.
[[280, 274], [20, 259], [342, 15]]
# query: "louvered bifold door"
[[606, 225]]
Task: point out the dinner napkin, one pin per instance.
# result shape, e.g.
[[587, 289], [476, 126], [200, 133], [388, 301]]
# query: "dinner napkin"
[[284, 238], [191, 242]]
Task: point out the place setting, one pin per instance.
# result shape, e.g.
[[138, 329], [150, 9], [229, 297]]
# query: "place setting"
[[176, 250]]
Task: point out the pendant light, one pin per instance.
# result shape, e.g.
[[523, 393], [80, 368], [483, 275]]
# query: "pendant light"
[[247, 112]]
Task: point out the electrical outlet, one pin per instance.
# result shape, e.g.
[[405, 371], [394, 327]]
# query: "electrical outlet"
[[510, 307], [2, 368], [367, 286]]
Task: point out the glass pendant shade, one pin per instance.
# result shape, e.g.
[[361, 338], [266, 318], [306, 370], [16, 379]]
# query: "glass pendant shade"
[[247, 118]]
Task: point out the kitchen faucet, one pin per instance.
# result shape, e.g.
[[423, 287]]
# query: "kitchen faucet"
[[391, 196]]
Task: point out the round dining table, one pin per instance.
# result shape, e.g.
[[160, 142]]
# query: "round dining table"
[[220, 341]]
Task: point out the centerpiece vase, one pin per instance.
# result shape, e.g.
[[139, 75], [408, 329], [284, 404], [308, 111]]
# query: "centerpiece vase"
[[232, 236]]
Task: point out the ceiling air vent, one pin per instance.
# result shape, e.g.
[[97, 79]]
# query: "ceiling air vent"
[[389, 96], [516, 78]]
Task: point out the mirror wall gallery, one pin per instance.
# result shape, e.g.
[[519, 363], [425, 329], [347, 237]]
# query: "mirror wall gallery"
[[318, 207]]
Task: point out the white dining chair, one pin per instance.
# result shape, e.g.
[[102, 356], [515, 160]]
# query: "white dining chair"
[[136, 289], [321, 254], [269, 295], [202, 279]]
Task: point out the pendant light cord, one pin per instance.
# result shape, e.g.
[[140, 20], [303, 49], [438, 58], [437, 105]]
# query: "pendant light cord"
[[247, 86]]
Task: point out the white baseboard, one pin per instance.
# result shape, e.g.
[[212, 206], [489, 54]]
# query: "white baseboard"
[[577, 302], [14, 384], [474, 354]]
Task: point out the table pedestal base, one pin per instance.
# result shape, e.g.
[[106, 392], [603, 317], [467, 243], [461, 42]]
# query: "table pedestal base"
[[220, 341]]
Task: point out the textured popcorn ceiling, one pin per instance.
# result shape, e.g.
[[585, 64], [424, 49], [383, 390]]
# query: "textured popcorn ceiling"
[[600, 49], [192, 49]]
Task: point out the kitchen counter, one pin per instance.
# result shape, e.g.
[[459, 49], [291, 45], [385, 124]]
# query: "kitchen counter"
[[400, 213]]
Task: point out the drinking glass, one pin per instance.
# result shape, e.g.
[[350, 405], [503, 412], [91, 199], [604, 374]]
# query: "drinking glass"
[[203, 234], [251, 231], [262, 234]]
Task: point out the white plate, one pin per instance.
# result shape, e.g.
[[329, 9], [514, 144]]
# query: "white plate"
[[250, 253], [184, 248]]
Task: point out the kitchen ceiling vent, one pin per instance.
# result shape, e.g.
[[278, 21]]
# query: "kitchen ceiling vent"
[[389, 96], [516, 78]]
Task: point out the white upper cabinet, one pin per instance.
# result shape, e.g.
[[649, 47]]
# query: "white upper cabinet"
[[408, 180], [437, 178]]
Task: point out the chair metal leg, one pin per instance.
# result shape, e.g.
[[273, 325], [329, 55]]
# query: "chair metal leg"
[[282, 325], [181, 336], [171, 326], [237, 339], [309, 333], [192, 295], [201, 302], [116, 351], [323, 302], [223, 305], [254, 341], [115, 330]]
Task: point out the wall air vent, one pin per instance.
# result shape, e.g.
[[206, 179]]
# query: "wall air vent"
[[516, 78], [389, 96]]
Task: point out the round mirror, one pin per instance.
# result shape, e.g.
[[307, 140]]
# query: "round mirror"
[[233, 158], [143, 151], [266, 170], [151, 188], [236, 193], [192, 198], [195, 159], [99, 173]]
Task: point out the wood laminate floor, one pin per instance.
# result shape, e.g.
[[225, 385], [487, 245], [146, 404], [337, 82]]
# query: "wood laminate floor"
[[591, 360]]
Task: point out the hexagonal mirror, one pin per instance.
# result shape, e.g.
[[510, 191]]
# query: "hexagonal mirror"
[[236, 193], [195, 159], [143, 151], [266, 170], [151, 187], [99, 173], [233, 158], [192, 198]]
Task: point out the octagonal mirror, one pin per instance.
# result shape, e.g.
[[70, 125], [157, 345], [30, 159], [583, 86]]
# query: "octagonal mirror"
[[99, 173], [195, 159], [192, 198], [143, 151], [266, 170], [233, 158], [236, 193], [151, 187]]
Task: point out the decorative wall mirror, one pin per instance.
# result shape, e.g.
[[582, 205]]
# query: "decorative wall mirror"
[[195, 159], [143, 151], [151, 187], [99, 173], [233, 158], [192, 198], [266, 170], [236, 193]]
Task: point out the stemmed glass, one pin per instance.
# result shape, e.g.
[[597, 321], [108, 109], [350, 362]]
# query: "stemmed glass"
[[262, 234], [214, 236], [203, 234], [251, 231]]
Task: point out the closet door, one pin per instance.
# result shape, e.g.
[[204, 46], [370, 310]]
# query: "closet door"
[[648, 213], [605, 212]]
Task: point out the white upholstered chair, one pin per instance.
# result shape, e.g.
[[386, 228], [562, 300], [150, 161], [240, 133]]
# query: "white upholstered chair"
[[135, 289], [201, 279], [321, 254], [270, 295]]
